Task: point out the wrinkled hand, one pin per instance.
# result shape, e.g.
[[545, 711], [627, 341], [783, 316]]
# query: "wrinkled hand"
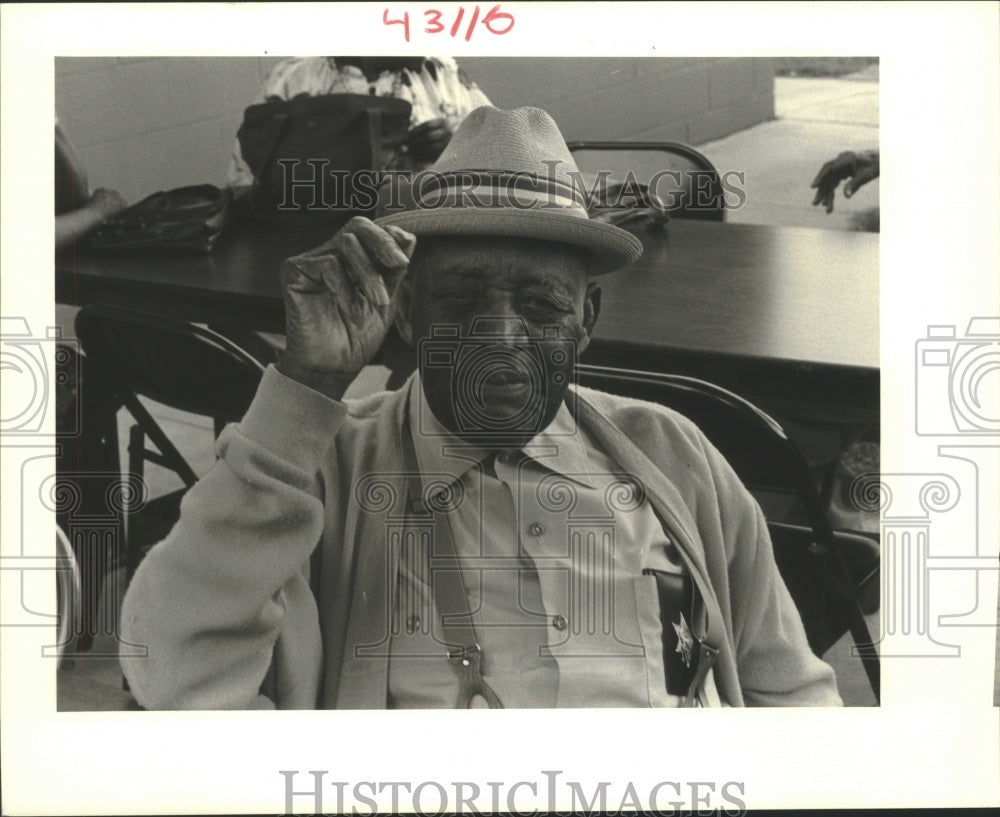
[[860, 168], [339, 303], [107, 203], [428, 139]]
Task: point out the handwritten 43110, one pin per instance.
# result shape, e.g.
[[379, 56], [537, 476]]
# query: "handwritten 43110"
[[494, 21]]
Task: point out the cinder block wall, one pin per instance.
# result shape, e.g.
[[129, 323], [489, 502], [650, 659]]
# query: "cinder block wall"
[[691, 100], [145, 124]]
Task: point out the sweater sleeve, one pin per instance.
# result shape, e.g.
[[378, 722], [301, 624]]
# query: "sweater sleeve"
[[228, 587], [775, 664]]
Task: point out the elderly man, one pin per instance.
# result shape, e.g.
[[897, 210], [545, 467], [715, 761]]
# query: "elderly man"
[[487, 535]]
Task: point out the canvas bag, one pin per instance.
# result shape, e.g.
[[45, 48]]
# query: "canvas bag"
[[352, 132]]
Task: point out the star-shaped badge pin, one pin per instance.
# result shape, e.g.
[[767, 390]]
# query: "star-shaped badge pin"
[[685, 640]]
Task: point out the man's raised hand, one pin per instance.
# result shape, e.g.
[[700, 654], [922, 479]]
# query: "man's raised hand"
[[339, 303]]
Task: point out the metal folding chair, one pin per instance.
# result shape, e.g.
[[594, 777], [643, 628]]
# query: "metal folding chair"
[[683, 178], [177, 364]]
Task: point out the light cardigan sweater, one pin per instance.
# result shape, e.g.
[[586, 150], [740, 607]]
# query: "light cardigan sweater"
[[239, 608]]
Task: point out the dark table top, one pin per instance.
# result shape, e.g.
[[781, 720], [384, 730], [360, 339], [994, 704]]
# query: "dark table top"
[[782, 293], [785, 311]]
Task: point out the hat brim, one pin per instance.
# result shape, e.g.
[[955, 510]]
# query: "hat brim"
[[610, 247]]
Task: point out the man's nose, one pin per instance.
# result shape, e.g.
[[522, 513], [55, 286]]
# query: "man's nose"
[[502, 325]]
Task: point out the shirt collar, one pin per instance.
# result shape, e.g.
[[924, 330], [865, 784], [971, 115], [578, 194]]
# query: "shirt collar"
[[561, 447]]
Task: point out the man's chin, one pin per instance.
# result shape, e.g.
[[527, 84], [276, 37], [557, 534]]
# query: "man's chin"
[[499, 413]]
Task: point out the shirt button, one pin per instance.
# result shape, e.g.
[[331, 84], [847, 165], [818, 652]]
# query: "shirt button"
[[536, 529], [559, 622]]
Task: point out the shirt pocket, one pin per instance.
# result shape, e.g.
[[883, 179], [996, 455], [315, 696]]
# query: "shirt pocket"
[[647, 605], [669, 599]]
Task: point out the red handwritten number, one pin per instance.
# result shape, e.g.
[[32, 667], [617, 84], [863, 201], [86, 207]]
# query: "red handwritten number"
[[435, 22], [495, 14], [496, 22], [472, 23], [458, 21], [405, 22]]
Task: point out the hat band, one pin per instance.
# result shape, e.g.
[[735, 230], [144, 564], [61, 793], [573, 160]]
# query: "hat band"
[[484, 196], [485, 188]]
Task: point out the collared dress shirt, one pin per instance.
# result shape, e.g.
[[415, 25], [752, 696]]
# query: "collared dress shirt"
[[554, 539]]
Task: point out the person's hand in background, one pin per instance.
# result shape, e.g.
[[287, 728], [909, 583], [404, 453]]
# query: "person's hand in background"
[[427, 140], [107, 203], [77, 210], [101, 206], [859, 168]]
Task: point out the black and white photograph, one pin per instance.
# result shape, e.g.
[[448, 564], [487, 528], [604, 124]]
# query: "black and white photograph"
[[507, 367], [574, 601]]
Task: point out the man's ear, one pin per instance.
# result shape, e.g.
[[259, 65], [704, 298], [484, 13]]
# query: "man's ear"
[[404, 302], [591, 310]]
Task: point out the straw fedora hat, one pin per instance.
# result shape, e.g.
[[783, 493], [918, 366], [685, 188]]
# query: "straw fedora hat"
[[505, 173]]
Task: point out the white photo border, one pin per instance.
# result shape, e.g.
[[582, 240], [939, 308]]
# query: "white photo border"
[[934, 740]]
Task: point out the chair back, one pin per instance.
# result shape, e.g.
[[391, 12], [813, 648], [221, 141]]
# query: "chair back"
[[804, 569], [681, 176], [752, 441], [179, 364], [832, 576]]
